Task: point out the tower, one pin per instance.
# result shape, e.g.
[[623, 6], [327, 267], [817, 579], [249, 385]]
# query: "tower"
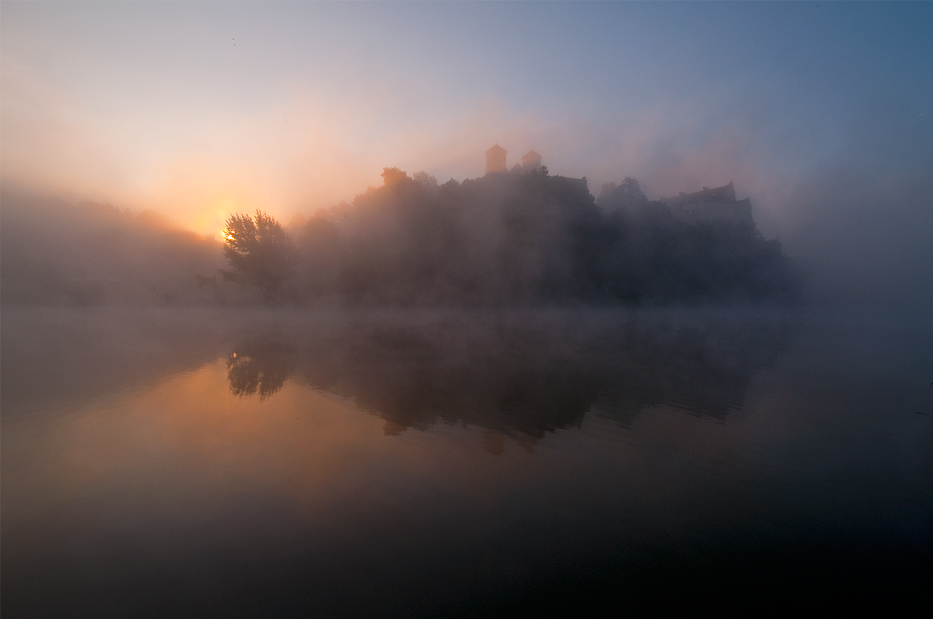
[[495, 159], [531, 161]]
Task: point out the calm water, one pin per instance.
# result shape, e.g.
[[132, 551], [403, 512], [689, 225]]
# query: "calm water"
[[437, 463]]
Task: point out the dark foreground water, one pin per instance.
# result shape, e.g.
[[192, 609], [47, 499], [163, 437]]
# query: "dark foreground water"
[[234, 463]]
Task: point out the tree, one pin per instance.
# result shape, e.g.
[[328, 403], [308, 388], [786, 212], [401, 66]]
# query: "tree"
[[393, 176], [626, 195], [425, 179], [261, 253]]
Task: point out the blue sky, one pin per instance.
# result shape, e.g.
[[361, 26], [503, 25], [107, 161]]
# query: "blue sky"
[[197, 109]]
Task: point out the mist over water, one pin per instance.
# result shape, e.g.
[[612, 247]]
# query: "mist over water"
[[380, 462], [419, 310]]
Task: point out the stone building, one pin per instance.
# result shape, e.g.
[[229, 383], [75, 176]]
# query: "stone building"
[[716, 204], [495, 159], [531, 161]]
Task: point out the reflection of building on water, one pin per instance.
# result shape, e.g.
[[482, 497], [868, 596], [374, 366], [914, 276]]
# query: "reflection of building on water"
[[520, 378], [494, 442]]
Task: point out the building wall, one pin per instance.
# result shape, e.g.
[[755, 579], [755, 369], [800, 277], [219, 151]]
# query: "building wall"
[[495, 160], [705, 210], [531, 161]]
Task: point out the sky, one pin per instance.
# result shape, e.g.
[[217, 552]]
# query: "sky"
[[821, 113]]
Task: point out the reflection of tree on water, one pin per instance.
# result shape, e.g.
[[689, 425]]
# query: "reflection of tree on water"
[[259, 367], [528, 375]]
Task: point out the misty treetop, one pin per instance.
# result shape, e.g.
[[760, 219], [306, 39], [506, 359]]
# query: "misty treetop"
[[507, 239], [503, 239], [261, 253]]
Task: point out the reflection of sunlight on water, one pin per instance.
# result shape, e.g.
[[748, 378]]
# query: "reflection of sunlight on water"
[[199, 434], [193, 423], [348, 468], [187, 445]]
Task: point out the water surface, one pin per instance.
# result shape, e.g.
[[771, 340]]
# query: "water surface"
[[389, 463]]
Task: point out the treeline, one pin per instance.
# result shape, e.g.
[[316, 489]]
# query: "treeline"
[[56, 253], [504, 239], [521, 239]]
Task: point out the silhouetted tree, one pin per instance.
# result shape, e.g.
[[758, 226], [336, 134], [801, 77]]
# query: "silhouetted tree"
[[425, 179], [625, 195], [392, 176], [261, 253], [530, 238]]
